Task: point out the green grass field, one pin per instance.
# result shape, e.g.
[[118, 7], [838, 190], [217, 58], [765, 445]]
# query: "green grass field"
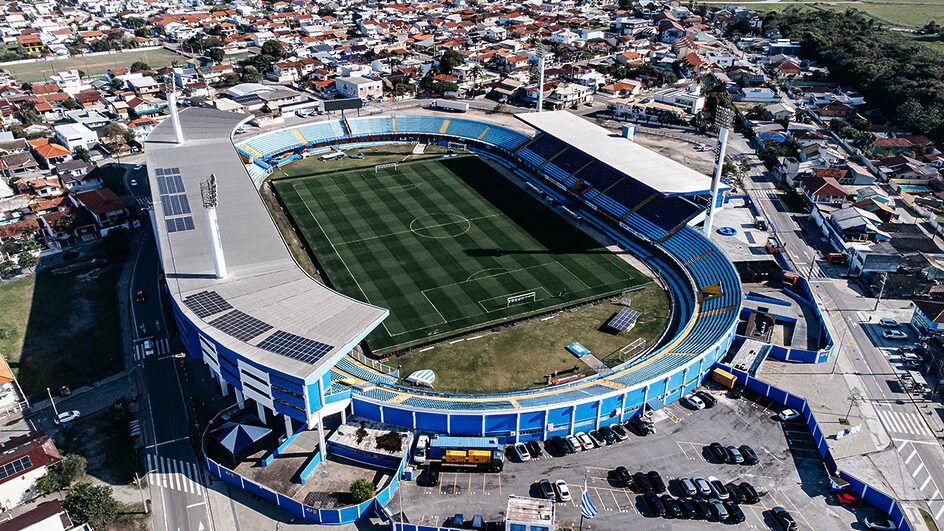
[[896, 14], [443, 244], [92, 66]]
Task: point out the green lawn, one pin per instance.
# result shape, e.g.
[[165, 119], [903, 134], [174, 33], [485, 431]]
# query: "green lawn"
[[61, 330], [522, 356], [443, 244], [373, 156], [911, 15], [93, 65]]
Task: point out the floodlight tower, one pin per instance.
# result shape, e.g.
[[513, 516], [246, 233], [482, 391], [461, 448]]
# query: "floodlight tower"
[[540, 51], [723, 117], [208, 194], [171, 91]]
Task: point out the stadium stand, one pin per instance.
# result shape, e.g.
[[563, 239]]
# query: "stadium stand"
[[370, 126], [359, 371], [430, 403]]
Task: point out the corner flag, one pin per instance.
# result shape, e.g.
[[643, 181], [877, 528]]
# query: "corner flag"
[[587, 510]]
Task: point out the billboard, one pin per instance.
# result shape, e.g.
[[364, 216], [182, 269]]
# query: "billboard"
[[343, 105]]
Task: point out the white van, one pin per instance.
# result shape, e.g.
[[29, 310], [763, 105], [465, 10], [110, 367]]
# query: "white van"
[[419, 453]]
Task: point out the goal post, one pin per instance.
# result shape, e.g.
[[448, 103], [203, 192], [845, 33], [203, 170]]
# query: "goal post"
[[379, 167], [533, 296], [458, 145]]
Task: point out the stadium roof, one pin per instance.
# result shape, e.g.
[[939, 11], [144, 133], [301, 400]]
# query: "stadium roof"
[[264, 283], [644, 165]]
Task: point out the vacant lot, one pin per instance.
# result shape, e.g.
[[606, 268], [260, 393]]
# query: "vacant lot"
[[92, 65], [446, 245], [896, 14], [61, 330]]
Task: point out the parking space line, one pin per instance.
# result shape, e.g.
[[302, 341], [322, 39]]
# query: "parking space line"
[[630, 500], [615, 500], [600, 498], [759, 519], [939, 511], [469, 489], [918, 470], [795, 508], [683, 451], [483, 482], [499, 484], [925, 484]]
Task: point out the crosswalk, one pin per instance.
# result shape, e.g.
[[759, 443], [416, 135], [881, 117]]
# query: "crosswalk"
[[160, 346], [174, 474], [143, 201], [902, 422]]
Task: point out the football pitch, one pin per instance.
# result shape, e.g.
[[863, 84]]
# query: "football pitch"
[[447, 245]]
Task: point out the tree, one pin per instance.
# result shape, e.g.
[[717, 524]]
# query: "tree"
[[70, 104], [250, 74], [137, 66], [757, 112], [71, 468], [450, 59], [82, 154], [362, 490], [112, 133], [744, 167], [26, 260], [27, 87], [854, 398], [117, 243], [216, 54], [274, 49], [7, 267], [90, 504], [48, 483]]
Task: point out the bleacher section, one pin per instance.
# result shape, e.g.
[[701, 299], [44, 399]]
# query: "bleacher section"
[[465, 128], [431, 403], [274, 143], [358, 371], [371, 126], [321, 131]]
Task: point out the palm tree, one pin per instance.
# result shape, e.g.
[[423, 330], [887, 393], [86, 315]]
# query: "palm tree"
[[475, 72]]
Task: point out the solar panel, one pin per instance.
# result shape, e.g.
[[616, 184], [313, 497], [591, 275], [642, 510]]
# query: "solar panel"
[[240, 325], [179, 224], [15, 467], [175, 205], [624, 320], [295, 347], [206, 303]]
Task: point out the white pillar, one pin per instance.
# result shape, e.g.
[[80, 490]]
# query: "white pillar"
[[216, 244], [223, 386], [483, 425], [174, 118], [448, 423], [261, 410], [413, 416], [381, 414], [239, 399], [596, 423], [622, 407], [321, 443], [546, 414], [288, 425], [685, 377], [518, 426], [344, 415], [722, 146], [645, 398], [540, 81], [665, 393], [573, 418]]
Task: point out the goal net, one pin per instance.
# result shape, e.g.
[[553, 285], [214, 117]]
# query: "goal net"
[[457, 145], [379, 167], [514, 299]]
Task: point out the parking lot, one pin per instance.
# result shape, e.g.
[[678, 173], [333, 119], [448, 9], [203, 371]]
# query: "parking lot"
[[789, 473]]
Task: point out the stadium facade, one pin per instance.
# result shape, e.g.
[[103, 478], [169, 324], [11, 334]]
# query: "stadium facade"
[[279, 340]]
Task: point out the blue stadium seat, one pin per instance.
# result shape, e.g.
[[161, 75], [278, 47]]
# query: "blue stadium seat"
[[370, 125], [377, 394], [432, 403], [419, 124], [363, 373], [466, 128]]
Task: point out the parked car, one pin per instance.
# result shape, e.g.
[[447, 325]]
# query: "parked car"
[[133, 182], [641, 426], [693, 402], [687, 508], [478, 523], [718, 453], [547, 491], [608, 435], [706, 397], [735, 514], [597, 438], [672, 509], [888, 323], [563, 493], [788, 414], [718, 488], [641, 482], [702, 510], [586, 443], [64, 417], [736, 493], [655, 481], [750, 457], [622, 475], [556, 444], [702, 485], [458, 520], [534, 448], [879, 522], [686, 485], [736, 392], [654, 503], [573, 445], [138, 167], [785, 519], [520, 452], [894, 334], [844, 498], [432, 476], [718, 512], [734, 455], [619, 432], [419, 453], [750, 493]]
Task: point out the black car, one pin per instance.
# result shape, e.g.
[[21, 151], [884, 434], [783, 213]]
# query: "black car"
[[622, 475], [557, 444], [608, 435], [750, 493], [687, 508], [702, 510], [654, 503], [534, 449], [750, 456], [786, 521], [718, 453], [686, 485], [655, 481], [641, 482], [718, 511], [706, 397], [718, 488], [640, 426], [736, 392], [432, 476], [547, 491], [672, 509], [735, 514], [736, 493]]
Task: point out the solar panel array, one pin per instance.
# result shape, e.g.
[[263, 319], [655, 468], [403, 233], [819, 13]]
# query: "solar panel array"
[[295, 347], [174, 201], [15, 467], [206, 303], [240, 325], [624, 320]]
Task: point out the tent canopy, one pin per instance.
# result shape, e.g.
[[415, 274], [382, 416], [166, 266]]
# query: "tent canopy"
[[424, 377], [237, 437]]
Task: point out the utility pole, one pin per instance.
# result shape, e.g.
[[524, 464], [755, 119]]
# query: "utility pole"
[[881, 289], [143, 500], [53, 402]]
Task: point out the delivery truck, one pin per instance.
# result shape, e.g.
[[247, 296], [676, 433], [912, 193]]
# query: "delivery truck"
[[468, 453]]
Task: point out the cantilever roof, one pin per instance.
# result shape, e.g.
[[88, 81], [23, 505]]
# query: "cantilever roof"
[[264, 282], [646, 166]]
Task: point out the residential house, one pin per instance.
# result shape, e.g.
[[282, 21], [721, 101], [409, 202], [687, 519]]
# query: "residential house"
[[359, 87], [75, 176], [50, 153], [142, 127], [90, 99], [41, 186], [23, 460], [74, 136], [145, 106], [143, 85], [854, 224], [107, 209], [17, 164], [47, 516], [825, 190], [893, 145], [689, 98]]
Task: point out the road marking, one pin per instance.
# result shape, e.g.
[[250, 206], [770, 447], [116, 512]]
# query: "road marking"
[[795, 508], [683, 451], [168, 442], [918, 470], [925, 484], [910, 457], [163, 474], [912, 441], [195, 505], [938, 513]]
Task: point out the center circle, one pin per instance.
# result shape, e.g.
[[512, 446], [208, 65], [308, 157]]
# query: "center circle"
[[440, 225]]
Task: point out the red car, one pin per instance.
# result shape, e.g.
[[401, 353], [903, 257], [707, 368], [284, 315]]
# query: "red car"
[[844, 498], [139, 296]]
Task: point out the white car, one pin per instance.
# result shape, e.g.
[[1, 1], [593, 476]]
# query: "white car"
[[788, 414], [419, 453], [139, 167], [563, 493], [585, 441], [694, 402], [134, 182], [889, 323], [894, 334], [574, 441], [148, 347], [521, 452], [879, 522], [67, 416]]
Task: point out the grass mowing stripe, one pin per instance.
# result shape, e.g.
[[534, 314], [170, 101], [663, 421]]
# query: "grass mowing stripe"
[[474, 240]]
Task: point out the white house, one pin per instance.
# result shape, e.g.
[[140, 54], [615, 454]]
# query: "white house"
[[23, 460], [69, 81], [359, 87], [75, 135], [689, 99], [496, 33], [564, 36]]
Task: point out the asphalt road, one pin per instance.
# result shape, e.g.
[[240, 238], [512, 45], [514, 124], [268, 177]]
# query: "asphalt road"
[[175, 476]]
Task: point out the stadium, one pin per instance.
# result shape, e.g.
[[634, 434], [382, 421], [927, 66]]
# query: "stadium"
[[274, 335]]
